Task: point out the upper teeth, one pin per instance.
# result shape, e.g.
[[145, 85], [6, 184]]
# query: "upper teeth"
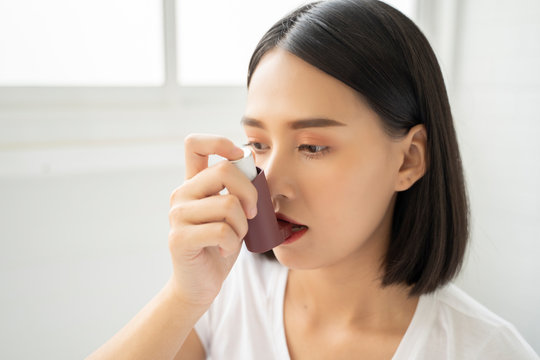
[[297, 227]]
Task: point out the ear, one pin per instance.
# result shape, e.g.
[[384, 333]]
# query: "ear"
[[413, 166]]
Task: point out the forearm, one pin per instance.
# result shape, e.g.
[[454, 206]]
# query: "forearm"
[[156, 332]]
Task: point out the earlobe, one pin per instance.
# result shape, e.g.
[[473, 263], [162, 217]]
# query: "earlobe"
[[414, 151]]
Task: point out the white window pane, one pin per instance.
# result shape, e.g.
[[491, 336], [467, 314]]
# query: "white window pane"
[[407, 7], [83, 42], [216, 38]]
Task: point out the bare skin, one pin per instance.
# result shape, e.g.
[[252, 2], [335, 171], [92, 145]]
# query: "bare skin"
[[334, 304]]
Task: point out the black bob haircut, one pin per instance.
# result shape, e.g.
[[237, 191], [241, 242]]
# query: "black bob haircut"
[[379, 52]]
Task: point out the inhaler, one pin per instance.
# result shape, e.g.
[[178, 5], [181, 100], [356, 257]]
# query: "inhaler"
[[263, 230]]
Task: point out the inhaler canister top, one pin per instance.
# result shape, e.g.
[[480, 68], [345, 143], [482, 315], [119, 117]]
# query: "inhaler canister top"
[[247, 164]]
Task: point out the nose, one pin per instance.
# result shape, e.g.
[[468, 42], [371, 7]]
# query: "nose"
[[279, 172]]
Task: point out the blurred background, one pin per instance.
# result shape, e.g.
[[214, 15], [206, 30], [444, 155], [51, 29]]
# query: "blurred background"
[[97, 96]]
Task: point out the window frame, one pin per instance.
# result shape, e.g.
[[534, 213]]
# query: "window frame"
[[169, 93], [172, 93]]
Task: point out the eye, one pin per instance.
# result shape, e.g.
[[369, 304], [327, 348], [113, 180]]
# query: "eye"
[[312, 148], [313, 151], [257, 146]]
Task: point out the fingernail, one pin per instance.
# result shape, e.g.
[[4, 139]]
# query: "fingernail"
[[239, 152], [252, 212]]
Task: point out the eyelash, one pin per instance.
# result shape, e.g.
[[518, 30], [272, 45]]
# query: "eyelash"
[[320, 150]]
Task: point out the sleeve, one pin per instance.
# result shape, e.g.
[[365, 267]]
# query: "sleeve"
[[507, 343]]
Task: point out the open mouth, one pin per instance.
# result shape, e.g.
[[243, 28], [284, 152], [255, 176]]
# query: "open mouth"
[[287, 228]]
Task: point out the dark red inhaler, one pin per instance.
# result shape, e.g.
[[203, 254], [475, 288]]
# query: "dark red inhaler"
[[263, 230]]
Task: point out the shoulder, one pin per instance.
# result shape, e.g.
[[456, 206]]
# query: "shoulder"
[[467, 329], [454, 302]]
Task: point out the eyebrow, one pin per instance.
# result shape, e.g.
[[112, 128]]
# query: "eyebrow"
[[295, 125]]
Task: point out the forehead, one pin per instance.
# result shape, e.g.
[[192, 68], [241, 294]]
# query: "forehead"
[[285, 86]]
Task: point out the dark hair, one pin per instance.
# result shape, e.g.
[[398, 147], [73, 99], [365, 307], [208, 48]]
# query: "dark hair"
[[380, 53]]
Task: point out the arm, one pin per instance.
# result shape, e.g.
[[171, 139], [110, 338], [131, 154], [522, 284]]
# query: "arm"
[[157, 332], [205, 238], [192, 348]]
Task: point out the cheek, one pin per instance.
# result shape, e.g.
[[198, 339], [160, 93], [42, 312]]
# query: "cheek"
[[355, 198]]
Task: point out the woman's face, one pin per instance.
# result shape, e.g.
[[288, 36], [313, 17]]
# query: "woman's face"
[[328, 162]]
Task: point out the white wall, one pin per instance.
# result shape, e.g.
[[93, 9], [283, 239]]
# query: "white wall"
[[496, 97], [84, 193], [84, 198]]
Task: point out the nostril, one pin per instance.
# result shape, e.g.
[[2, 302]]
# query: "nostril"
[[280, 190], [278, 175], [282, 196]]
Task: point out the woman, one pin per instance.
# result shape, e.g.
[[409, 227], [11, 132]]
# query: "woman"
[[348, 115]]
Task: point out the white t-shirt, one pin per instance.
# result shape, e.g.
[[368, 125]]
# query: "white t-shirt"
[[245, 321]]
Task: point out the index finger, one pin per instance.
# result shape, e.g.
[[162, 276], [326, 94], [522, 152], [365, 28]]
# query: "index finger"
[[199, 146]]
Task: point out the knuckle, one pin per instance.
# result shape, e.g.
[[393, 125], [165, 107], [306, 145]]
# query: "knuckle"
[[190, 140], [175, 195], [230, 202], [222, 231], [177, 212], [175, 238], [223, 168], [243, 227]]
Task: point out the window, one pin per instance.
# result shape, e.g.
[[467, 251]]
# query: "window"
[[111, 73], [81, 43], [129, 42], [216, 39]]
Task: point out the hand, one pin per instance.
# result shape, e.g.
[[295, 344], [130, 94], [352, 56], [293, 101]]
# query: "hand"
[[206, 228]]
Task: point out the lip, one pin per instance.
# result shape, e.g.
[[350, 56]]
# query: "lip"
[[280, 216], [297, 235]]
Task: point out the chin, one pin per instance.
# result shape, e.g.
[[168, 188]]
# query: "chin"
[[296, 259]]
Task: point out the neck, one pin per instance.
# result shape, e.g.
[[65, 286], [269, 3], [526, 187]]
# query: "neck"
[[330, 296], [350, 292], [344, 307]]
